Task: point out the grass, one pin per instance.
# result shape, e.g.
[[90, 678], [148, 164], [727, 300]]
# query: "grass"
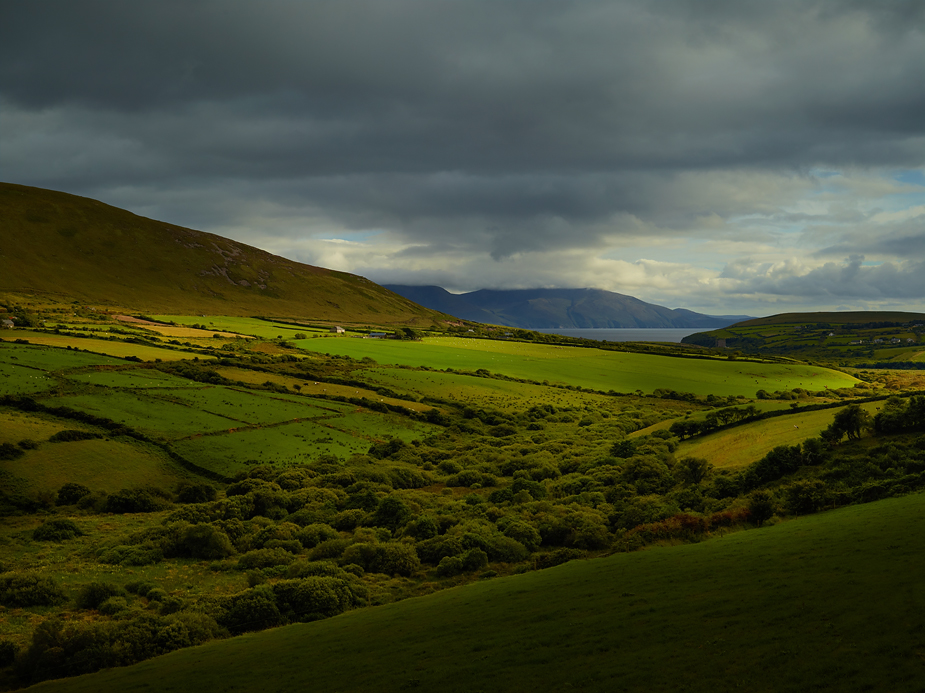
[[132, 378], [104, 346], [742, 445], [105, 465], [251, 327], [146, 413], [827, 602], [51, 359], [312, 387], [585, 367], [296, 443], [82, 250]]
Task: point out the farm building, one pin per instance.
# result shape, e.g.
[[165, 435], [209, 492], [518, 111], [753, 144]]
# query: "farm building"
[[7, 324], [337, 330]]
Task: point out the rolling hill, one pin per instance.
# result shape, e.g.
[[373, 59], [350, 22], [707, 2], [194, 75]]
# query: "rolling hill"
[[77, 249], [558, 308]]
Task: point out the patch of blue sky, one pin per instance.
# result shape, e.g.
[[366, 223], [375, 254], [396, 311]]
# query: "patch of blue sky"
[[363, 236]]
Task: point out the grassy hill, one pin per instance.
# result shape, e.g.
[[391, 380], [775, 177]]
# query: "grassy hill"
[[849, 337], [78, 249], [827, 602]]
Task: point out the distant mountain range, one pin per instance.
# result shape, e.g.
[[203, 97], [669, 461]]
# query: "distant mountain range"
[[558, 308]]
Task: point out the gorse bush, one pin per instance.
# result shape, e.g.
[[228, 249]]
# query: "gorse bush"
[[57, 530], [29, 589]]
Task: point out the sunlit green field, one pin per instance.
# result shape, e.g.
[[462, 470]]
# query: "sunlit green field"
[[505, 395], [104, 346], [105, 465], [245, 326], [133, 378], [296, 443], [48, 359], [742, 445], [585, 367]]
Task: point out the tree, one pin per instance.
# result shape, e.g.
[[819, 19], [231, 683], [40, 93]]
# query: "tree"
[[761, 507], [851, 420], [693, 470]]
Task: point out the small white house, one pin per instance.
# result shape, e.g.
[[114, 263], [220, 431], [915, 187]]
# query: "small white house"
[[7, 324], [337, 330]]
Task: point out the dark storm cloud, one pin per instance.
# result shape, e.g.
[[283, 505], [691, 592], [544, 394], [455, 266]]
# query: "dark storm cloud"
[[506, 126]]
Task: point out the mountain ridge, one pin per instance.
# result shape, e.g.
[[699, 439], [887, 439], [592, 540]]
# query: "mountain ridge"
[[558, 308]]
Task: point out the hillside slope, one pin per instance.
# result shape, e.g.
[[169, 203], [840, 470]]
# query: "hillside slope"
[[557, 308], [76, 248], [827, 602]]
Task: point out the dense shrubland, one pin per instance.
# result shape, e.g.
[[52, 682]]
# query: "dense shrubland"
[[311, 541]]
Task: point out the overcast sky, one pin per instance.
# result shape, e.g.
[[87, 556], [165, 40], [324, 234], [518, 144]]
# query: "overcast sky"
[[724, 156]]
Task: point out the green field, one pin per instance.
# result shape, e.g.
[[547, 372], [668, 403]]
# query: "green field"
[[133, 378], [107, 347], [146, 413], [742, 445], [105, 465], [296, 443], [51, 359], [253, 327], [585, 367], [828, 602], [252, 407]]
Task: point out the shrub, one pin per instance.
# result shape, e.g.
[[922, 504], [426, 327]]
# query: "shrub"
[[471, 560], [331, 548], [203, 541], [93, 594], [140, 587], [8, 451], [253, 609], [303, 569], [313, 534], [143, 554], [349, 519], [138, 500], [113, 605], [264, 558], [196, 493], [391, 558], [392, 513], [313, 598], [57, 530], [70, 493], [524, 533], [30, 590], [70, 435]]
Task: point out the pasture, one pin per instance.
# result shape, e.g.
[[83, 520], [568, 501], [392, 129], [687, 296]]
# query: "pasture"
[[51, 359], [296, 443], [310, 387], [587, 367], [826, 602], [150, 415], [253, 327], [104, 346], [132, 378], [742, 445], [104, 465]]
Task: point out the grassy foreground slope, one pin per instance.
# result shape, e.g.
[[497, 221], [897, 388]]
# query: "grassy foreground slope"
[[828, 602], [76, 248]]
